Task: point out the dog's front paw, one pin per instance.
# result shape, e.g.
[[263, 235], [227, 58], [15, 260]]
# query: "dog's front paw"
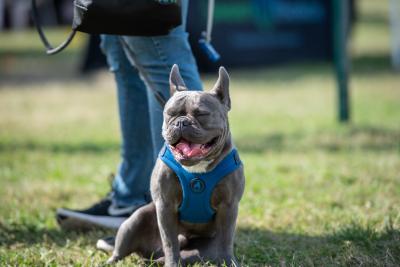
[[113, 259], [167, 263], [172, 263]]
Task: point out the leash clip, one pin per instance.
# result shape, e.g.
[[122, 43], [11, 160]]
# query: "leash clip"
[[205, 41]]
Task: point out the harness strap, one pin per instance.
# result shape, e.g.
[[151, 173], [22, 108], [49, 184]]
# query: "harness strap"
[[197, 188]]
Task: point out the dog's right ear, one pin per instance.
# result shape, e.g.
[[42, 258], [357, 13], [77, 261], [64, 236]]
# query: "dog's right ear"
[[175, 81]]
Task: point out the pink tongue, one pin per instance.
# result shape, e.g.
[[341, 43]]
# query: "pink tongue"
[[189, 149]]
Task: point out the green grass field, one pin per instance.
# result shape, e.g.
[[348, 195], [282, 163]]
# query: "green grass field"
[[317, 193]]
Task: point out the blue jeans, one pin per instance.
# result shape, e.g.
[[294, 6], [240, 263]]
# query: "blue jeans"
[[141, 63]]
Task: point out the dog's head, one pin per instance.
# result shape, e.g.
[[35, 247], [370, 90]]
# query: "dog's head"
[[195, 124]]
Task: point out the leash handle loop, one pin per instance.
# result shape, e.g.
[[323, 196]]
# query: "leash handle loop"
[[50, 50]]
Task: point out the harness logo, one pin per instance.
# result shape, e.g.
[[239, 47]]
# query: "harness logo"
[[197, 185]]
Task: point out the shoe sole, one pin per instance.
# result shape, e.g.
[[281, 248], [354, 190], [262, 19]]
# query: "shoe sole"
[[71, 220]]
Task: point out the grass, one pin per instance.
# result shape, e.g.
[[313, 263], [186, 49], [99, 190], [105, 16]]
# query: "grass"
[[317, 193]]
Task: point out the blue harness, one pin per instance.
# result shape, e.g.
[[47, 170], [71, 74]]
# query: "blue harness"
[[197, 188]]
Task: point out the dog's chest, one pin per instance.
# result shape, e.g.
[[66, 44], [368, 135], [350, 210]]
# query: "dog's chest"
[[221, 197], [201, 167]]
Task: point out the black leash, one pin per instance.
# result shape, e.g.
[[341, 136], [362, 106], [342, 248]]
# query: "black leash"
[[50, 50]]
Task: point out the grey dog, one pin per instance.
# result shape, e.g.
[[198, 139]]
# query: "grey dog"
[[196, 131]]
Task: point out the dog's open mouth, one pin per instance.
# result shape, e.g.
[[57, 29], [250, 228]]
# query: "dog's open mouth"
[[184, 149]]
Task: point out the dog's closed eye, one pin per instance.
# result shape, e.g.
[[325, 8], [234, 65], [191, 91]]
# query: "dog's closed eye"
[[172, 112], [200, 113]]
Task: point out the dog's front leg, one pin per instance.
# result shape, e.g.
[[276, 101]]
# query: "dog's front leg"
[[167, 218], [226, 222]]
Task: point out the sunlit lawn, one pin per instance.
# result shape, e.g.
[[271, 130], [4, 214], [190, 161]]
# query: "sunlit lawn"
[[317, 193]]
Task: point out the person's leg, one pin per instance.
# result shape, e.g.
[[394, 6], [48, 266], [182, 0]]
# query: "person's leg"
[[152, 58], [131, 183]]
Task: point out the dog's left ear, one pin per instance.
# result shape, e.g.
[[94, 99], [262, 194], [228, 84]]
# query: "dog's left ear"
[[176, 82], [221, 88]]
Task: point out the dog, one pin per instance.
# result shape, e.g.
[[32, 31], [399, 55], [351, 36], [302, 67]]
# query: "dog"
[[196, 184]]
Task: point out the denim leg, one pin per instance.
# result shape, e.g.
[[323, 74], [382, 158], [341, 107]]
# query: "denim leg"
[[131, 184], [149, 59], [154, 57]]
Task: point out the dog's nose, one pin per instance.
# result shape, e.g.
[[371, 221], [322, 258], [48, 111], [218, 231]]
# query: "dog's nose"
[[182, 122]]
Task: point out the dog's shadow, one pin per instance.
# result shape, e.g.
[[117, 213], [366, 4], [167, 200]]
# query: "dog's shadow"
[[28, 234]]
